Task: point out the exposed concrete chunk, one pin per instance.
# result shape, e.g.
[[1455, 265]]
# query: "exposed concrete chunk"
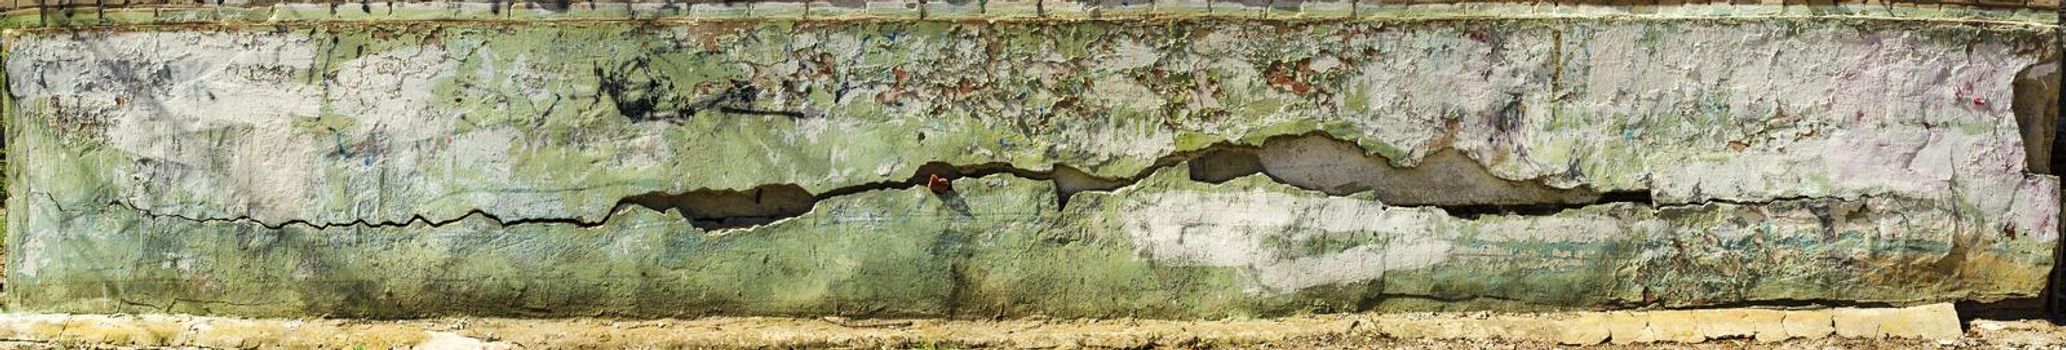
[[1586, 329], [1683, 326], [1069, 181], [2037, 112], [1222, 164], [713, 210], [1809, 324], [1445, 177], [1762, 325], [1630, 328], [1933, 322]]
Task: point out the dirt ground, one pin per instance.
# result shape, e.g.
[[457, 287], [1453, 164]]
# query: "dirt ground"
[[1922, 327]]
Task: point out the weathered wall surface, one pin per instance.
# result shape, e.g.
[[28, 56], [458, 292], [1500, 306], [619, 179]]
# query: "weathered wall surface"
[[1166, 168]]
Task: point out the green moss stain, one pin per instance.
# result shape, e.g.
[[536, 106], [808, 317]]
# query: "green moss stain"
[[575, 116]]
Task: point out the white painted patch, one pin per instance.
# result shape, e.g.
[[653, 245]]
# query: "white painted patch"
[[492, 150], [389, 92], [1192, 228], [1130, 54], [170, 97]]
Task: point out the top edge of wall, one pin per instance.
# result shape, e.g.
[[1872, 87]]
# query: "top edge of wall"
[[80, 14]]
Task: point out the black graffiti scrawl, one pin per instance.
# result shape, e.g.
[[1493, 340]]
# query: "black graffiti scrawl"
[[643, 95]]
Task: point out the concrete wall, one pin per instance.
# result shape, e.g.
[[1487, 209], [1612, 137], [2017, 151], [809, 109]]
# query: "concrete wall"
[[1177, 167]]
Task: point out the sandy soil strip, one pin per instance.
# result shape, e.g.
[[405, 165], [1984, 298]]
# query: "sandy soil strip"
[[1929, 326]]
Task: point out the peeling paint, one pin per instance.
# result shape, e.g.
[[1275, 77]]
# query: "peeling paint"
[[1184, 168]]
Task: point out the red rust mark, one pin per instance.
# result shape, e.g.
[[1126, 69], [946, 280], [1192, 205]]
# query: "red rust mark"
[[1290, 76], [939, 184]]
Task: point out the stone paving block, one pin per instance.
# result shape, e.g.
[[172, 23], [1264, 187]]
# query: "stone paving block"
[[1179, 8], [1013, 8], [954, 9]]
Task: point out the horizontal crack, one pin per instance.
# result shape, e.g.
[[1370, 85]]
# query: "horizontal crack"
[[1457, 186], [354, 223], [1767, 201], [1475, 211]]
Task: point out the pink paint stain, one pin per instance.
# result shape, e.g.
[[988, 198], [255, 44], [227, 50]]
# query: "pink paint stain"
[[1962, 93]]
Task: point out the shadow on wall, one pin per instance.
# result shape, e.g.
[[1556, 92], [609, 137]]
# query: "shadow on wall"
[[1447, 179], [2037, 108]]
